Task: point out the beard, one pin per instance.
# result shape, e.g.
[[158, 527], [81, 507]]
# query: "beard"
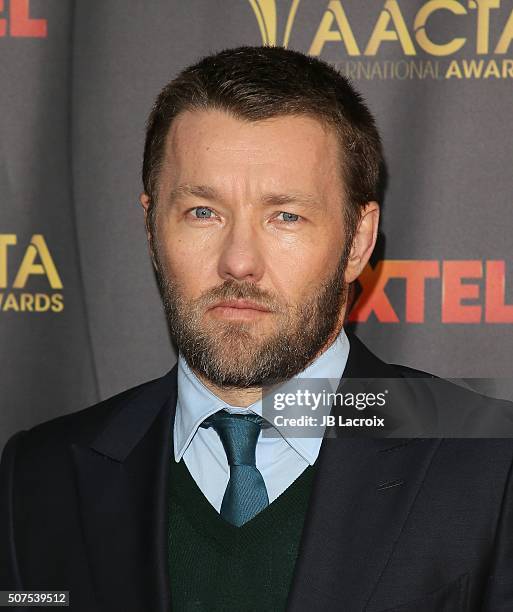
[[236, 353]]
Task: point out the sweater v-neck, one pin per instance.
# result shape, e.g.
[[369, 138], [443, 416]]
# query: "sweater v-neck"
[[206, 520]]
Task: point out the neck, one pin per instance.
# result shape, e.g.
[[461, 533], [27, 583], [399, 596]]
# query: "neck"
[[243, 398]]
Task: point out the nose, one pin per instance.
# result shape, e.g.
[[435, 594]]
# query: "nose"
[[241, 255]]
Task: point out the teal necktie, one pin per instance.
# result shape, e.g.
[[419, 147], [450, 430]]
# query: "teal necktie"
[[245, 494]]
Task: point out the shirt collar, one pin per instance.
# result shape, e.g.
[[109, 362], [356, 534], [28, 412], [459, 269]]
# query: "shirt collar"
[[195, 402]]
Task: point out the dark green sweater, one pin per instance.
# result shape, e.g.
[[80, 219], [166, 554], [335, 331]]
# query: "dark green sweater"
[[217, 567]]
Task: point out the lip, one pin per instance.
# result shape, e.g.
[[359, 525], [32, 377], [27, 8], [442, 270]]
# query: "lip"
[[240, 305]]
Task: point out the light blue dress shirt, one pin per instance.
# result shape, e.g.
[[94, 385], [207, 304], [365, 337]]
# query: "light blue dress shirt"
[[280, 460]]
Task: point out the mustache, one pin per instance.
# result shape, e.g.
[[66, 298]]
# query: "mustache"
[[237, 290]]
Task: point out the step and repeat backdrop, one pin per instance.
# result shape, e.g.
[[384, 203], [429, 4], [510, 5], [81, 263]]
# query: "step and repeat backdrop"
[[80, 315]]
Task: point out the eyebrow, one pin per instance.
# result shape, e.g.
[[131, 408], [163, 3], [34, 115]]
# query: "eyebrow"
[[282, 199], [198, 191], [206, 192]]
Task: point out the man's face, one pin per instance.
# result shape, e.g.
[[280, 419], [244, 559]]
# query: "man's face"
[[250, 244]]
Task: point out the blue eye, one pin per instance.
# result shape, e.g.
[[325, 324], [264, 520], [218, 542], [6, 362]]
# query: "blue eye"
[[289, 216], [202, 212]]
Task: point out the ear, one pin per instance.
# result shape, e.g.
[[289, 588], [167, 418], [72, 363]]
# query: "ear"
[[145, 201], [363, 242]]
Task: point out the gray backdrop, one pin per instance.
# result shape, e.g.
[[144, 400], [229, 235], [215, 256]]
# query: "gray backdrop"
[[80, 316]]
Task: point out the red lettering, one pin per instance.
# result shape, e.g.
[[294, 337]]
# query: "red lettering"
[[22, 25], [496, 311], [3, 22], [454, 291], [415, 272], [373, 297]]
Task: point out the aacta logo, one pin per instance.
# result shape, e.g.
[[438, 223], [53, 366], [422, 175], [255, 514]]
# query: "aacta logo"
[[18, 21], [392, 22], [265, 12], [471, 291], [36, 262], [390, 25]]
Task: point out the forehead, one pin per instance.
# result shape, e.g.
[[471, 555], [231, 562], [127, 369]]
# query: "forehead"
[[214, 145]]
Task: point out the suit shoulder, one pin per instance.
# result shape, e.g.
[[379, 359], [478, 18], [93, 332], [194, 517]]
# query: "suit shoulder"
[[450, 389], [407, 372], [84, 423]]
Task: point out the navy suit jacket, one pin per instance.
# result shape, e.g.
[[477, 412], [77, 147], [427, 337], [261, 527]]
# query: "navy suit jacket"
[[393, 524]]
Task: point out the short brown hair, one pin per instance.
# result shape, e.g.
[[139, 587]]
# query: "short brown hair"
[[256, 83]]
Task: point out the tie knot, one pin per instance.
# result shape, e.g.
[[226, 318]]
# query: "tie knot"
[[239, 434]]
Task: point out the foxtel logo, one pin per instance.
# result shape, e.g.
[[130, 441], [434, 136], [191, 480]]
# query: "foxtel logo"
[[462, 301], [19, 23]]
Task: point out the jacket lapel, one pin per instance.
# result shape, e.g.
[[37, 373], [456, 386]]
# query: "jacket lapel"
[[122, 476], [361, 496]]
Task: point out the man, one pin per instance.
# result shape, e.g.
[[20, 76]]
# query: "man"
[[261, 186]]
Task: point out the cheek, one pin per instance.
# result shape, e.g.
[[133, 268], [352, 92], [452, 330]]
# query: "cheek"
[[190, 263], [296, 273]]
